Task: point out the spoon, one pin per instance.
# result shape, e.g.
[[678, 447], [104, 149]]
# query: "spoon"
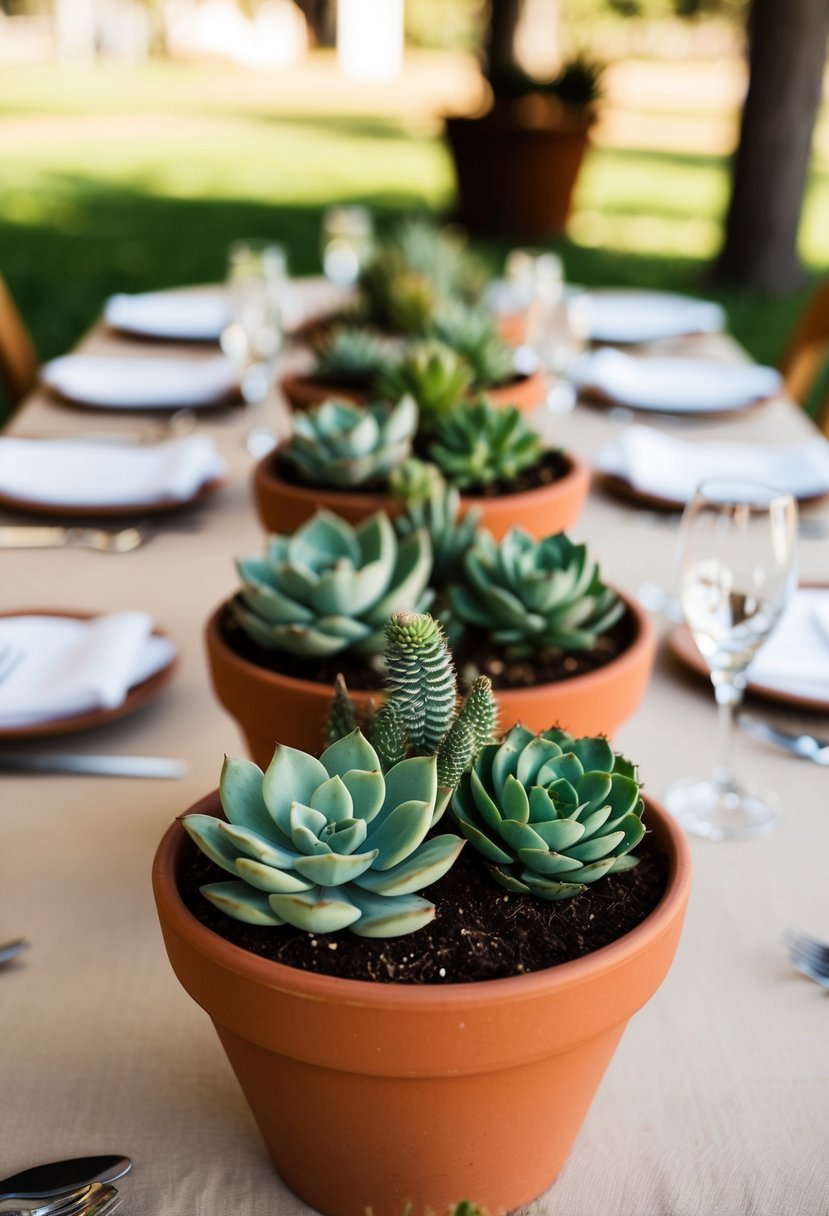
[[10, 950], [57, 1176]]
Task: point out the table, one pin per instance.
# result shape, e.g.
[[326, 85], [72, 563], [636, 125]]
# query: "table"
[[717, 1100]]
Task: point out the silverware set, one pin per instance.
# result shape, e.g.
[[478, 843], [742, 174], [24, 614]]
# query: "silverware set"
[[81, 1186], [808, 955], [54, 536]]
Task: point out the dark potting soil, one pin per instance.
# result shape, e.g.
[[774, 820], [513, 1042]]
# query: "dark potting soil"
[[480, 931], [551, 468], [472, 658]]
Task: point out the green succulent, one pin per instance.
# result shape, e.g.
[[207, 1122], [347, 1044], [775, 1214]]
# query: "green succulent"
[[350, 355], [339, 443], [434, 506], [329, 587], [531, 595], [481, 445], [471, 333], [395, 297], [549, 813], [430, 372], [327, 844]]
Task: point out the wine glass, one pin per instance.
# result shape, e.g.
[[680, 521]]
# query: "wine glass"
[[346, 240], [738, 553], [253, 333]]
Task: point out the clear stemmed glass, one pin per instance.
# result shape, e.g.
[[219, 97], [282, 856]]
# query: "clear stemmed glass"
[[557, 330], [346, 241], [253, 333], [738, 555]]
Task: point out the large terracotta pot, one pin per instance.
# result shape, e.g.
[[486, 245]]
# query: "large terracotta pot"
[[270, 706], [283, 505], [513, 179], [375, 1096], [302, 392]]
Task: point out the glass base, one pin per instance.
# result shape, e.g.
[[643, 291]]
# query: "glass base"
[[260, 441], [722, 812]]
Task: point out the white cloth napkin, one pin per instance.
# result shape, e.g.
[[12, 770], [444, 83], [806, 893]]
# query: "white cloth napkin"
[[795, 658], [673, 384], [183, 316], [112, 382], [62, 666], [619, 315], [83, 473], [672, 469]]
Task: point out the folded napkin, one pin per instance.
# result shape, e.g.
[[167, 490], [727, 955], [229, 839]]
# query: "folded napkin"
[[795, 658], [83, 473], [673, 384], [111, 382], [67, 666], [672, 469], [183, 316], [618, 315]]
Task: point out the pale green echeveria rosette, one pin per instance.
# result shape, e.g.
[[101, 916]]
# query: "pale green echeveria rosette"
[[329, 843], [550, 814], [345, 445], [528, 595], [329, 586]]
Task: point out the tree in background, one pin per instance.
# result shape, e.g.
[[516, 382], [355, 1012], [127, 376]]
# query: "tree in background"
[[786, 53]]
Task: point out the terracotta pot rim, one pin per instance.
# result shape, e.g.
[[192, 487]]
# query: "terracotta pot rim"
[[265, 473], [350, 392], [509, 989], [642, 640]]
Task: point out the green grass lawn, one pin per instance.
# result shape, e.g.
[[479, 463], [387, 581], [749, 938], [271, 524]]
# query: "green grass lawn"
[[128, 181]]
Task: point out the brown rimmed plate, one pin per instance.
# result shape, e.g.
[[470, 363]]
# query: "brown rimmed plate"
[[615, 484], [684, 648], [137, 697], [103, 511]]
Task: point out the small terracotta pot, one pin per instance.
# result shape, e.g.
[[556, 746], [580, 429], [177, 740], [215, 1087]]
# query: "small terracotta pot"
[[382, 1095], [303, 392], [270, 706], [283, 505]]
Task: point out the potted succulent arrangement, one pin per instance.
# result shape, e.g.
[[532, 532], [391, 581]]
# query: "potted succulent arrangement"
[[347, 458], [531, 141], [415, 1045], [534, 615]]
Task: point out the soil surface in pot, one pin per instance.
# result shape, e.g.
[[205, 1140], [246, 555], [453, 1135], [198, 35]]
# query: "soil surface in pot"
[[551, 468], [471, 657], [480, 932]]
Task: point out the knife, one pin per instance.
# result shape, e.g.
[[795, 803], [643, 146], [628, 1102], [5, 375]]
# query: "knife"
[[58, 1176], [103, 766], [807, 747]]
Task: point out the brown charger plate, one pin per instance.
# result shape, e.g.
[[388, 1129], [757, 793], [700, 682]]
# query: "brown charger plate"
[[132, 510], [229, 401], [684, 648], [600, 400], [136, 697], [620, 486]]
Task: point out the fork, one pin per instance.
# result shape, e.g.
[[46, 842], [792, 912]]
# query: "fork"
[[809, 955], [47, 536], [96, 1199]]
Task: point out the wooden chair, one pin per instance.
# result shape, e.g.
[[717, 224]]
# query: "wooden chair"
[[805, 359], [18, 358]]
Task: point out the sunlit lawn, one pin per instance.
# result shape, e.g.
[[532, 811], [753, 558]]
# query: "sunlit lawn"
[[136, 180]]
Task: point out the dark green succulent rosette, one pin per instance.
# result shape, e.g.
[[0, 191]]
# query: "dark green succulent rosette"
[[550, 814]]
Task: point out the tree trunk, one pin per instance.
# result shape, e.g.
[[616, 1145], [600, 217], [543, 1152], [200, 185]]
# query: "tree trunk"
[[499, 41], [321, 20], [787, 49]]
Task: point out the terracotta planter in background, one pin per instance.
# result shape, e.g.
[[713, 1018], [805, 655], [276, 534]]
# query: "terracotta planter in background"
[[303, 392], [283, 505], [382, 1095], [270, 706]]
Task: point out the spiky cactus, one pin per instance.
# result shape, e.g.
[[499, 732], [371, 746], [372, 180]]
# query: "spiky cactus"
[[479, 445], [550, 814], [433, 506]]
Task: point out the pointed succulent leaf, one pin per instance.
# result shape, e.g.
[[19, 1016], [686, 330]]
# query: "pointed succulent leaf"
[[320, 910], [389, 916], [426, 865], [546, 888], [515, 804], [204, 831], [334, 870], [398, 834], [352, 752], [367, 790], [252, 844], [333, 800], [240, 901], [292, 776], [267, 878], [240, 790]]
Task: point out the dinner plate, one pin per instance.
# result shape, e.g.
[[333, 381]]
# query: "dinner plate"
[[684, 648], [171, 316], [625, 317], [104, 511], [620, 486], [137, 697], [111, 382]]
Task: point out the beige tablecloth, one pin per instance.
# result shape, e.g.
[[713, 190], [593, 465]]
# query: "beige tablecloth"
[[717, 1101]]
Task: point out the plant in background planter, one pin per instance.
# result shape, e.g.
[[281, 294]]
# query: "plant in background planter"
[[517, 163], [352, 1048], [346, 458]]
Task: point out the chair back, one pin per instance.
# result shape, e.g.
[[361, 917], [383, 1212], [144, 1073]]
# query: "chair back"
[[804, 363], [18, 358]]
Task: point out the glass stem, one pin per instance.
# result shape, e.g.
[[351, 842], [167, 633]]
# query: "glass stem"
[[729, 694]]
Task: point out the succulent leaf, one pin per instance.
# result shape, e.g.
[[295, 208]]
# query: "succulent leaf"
[[242, 902], [434, 506], [345, 445], [479, 445], [432, 374]]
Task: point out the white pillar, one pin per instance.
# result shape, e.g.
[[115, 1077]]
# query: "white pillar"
[[370, 39]]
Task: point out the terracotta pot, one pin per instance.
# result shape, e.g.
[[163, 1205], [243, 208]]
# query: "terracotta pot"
[[382, 1095], [270, 706], [282, 505], [513, 179], [303, 392]]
